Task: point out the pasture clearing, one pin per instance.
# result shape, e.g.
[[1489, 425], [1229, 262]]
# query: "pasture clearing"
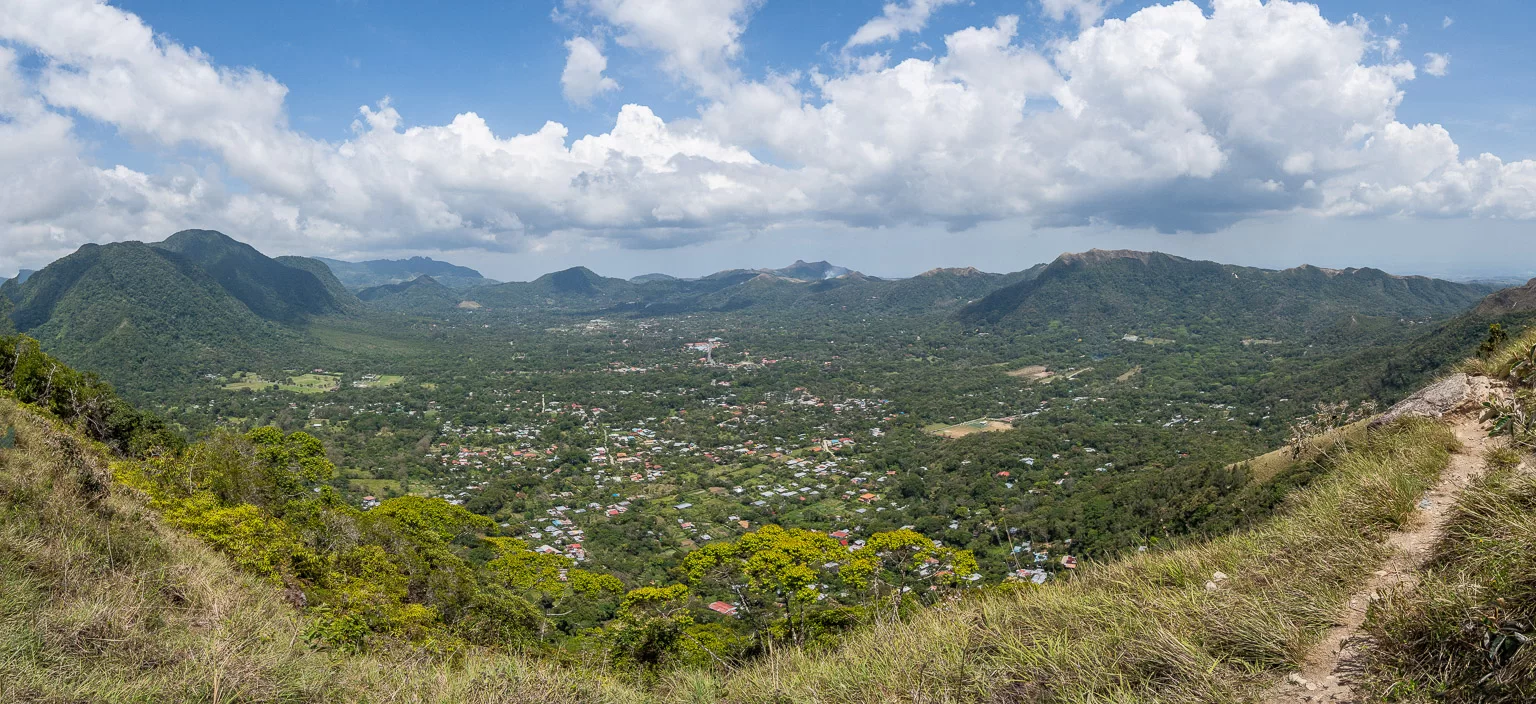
[[375, 487], [312, 383], [1033, 372], [1130, 374], [247, 381], [1266, 466], [379, 381], [971, 427]]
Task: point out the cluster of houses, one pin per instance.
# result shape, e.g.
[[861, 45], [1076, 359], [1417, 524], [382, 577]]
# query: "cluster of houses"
[[563, 535]]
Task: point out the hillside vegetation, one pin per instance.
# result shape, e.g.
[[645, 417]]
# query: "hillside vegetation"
[[171, 310], [102, 602], [1127, 290], [107, 600]]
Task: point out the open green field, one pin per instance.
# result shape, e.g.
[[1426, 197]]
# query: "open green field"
[[375, 487], [303, 383], [383, 381], [312, 383], [355, 338], [979, 425], [246, 381]]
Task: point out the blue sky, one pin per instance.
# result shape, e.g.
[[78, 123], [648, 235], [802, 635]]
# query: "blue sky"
[[503, 59], [786, 140]]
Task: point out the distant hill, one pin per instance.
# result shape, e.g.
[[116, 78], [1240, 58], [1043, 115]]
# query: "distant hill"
[[1150, 292], [1401, 368], [422, 294], [378, 272], [344, 297], [271, 289], [577, 288], [22, 276], [788, 291], [812, 271], [197, 302], [1516, 299]]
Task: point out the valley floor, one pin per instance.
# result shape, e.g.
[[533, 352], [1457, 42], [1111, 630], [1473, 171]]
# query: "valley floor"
[[103, 603]]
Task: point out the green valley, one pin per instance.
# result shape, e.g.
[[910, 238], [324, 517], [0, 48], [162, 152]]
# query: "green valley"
[[601, 467]]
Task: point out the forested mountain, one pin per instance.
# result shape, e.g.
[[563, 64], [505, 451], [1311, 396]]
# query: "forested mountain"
[[269, 288], [790, 290], [812, 271], [377, 272], [166, 310], [345, 299], [1152, 293], [423, 294]]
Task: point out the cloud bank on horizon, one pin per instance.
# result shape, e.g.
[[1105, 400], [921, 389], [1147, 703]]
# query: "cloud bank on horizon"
[[1175, 118]]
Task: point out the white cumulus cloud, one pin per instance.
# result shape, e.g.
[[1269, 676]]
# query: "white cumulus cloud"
[[583, 79], [895, 20], [1088, 12], [1177, 118], [697, 39], [1437, 65]]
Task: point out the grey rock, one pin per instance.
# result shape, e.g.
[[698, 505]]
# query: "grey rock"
[[1457, 392]]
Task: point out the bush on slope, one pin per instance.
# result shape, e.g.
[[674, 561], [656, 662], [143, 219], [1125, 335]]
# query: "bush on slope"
[[1161, 627]]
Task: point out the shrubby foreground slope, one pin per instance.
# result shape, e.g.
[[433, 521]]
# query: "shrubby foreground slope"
[[105, 602]]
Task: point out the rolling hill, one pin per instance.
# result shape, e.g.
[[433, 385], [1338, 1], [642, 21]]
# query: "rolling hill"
[[378, 272], [194, 303], [422, 294], [1153, 293]]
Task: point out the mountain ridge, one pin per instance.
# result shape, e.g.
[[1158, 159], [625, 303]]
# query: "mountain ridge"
[[377, 272]]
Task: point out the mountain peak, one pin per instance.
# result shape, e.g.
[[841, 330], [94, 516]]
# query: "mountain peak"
[[952, 271], [1102, 256], [188, 239], [811, 271]]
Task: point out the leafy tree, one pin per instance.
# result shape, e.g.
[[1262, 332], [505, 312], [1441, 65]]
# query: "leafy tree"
[[893, 563], [1496, 338], [650, 626], [549, 580], [784, 566]]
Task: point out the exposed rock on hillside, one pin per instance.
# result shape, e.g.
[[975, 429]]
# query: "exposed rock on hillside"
[[1457, 392]]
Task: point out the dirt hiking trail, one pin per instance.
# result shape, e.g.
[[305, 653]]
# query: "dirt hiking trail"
[[1323, 677]]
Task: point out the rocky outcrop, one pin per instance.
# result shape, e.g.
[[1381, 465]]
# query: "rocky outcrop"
[[1453, 394]]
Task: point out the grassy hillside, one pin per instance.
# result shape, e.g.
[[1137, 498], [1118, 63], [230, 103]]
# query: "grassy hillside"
[[1160, 627], [105, 602], [1463, 631], [102, 602]]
